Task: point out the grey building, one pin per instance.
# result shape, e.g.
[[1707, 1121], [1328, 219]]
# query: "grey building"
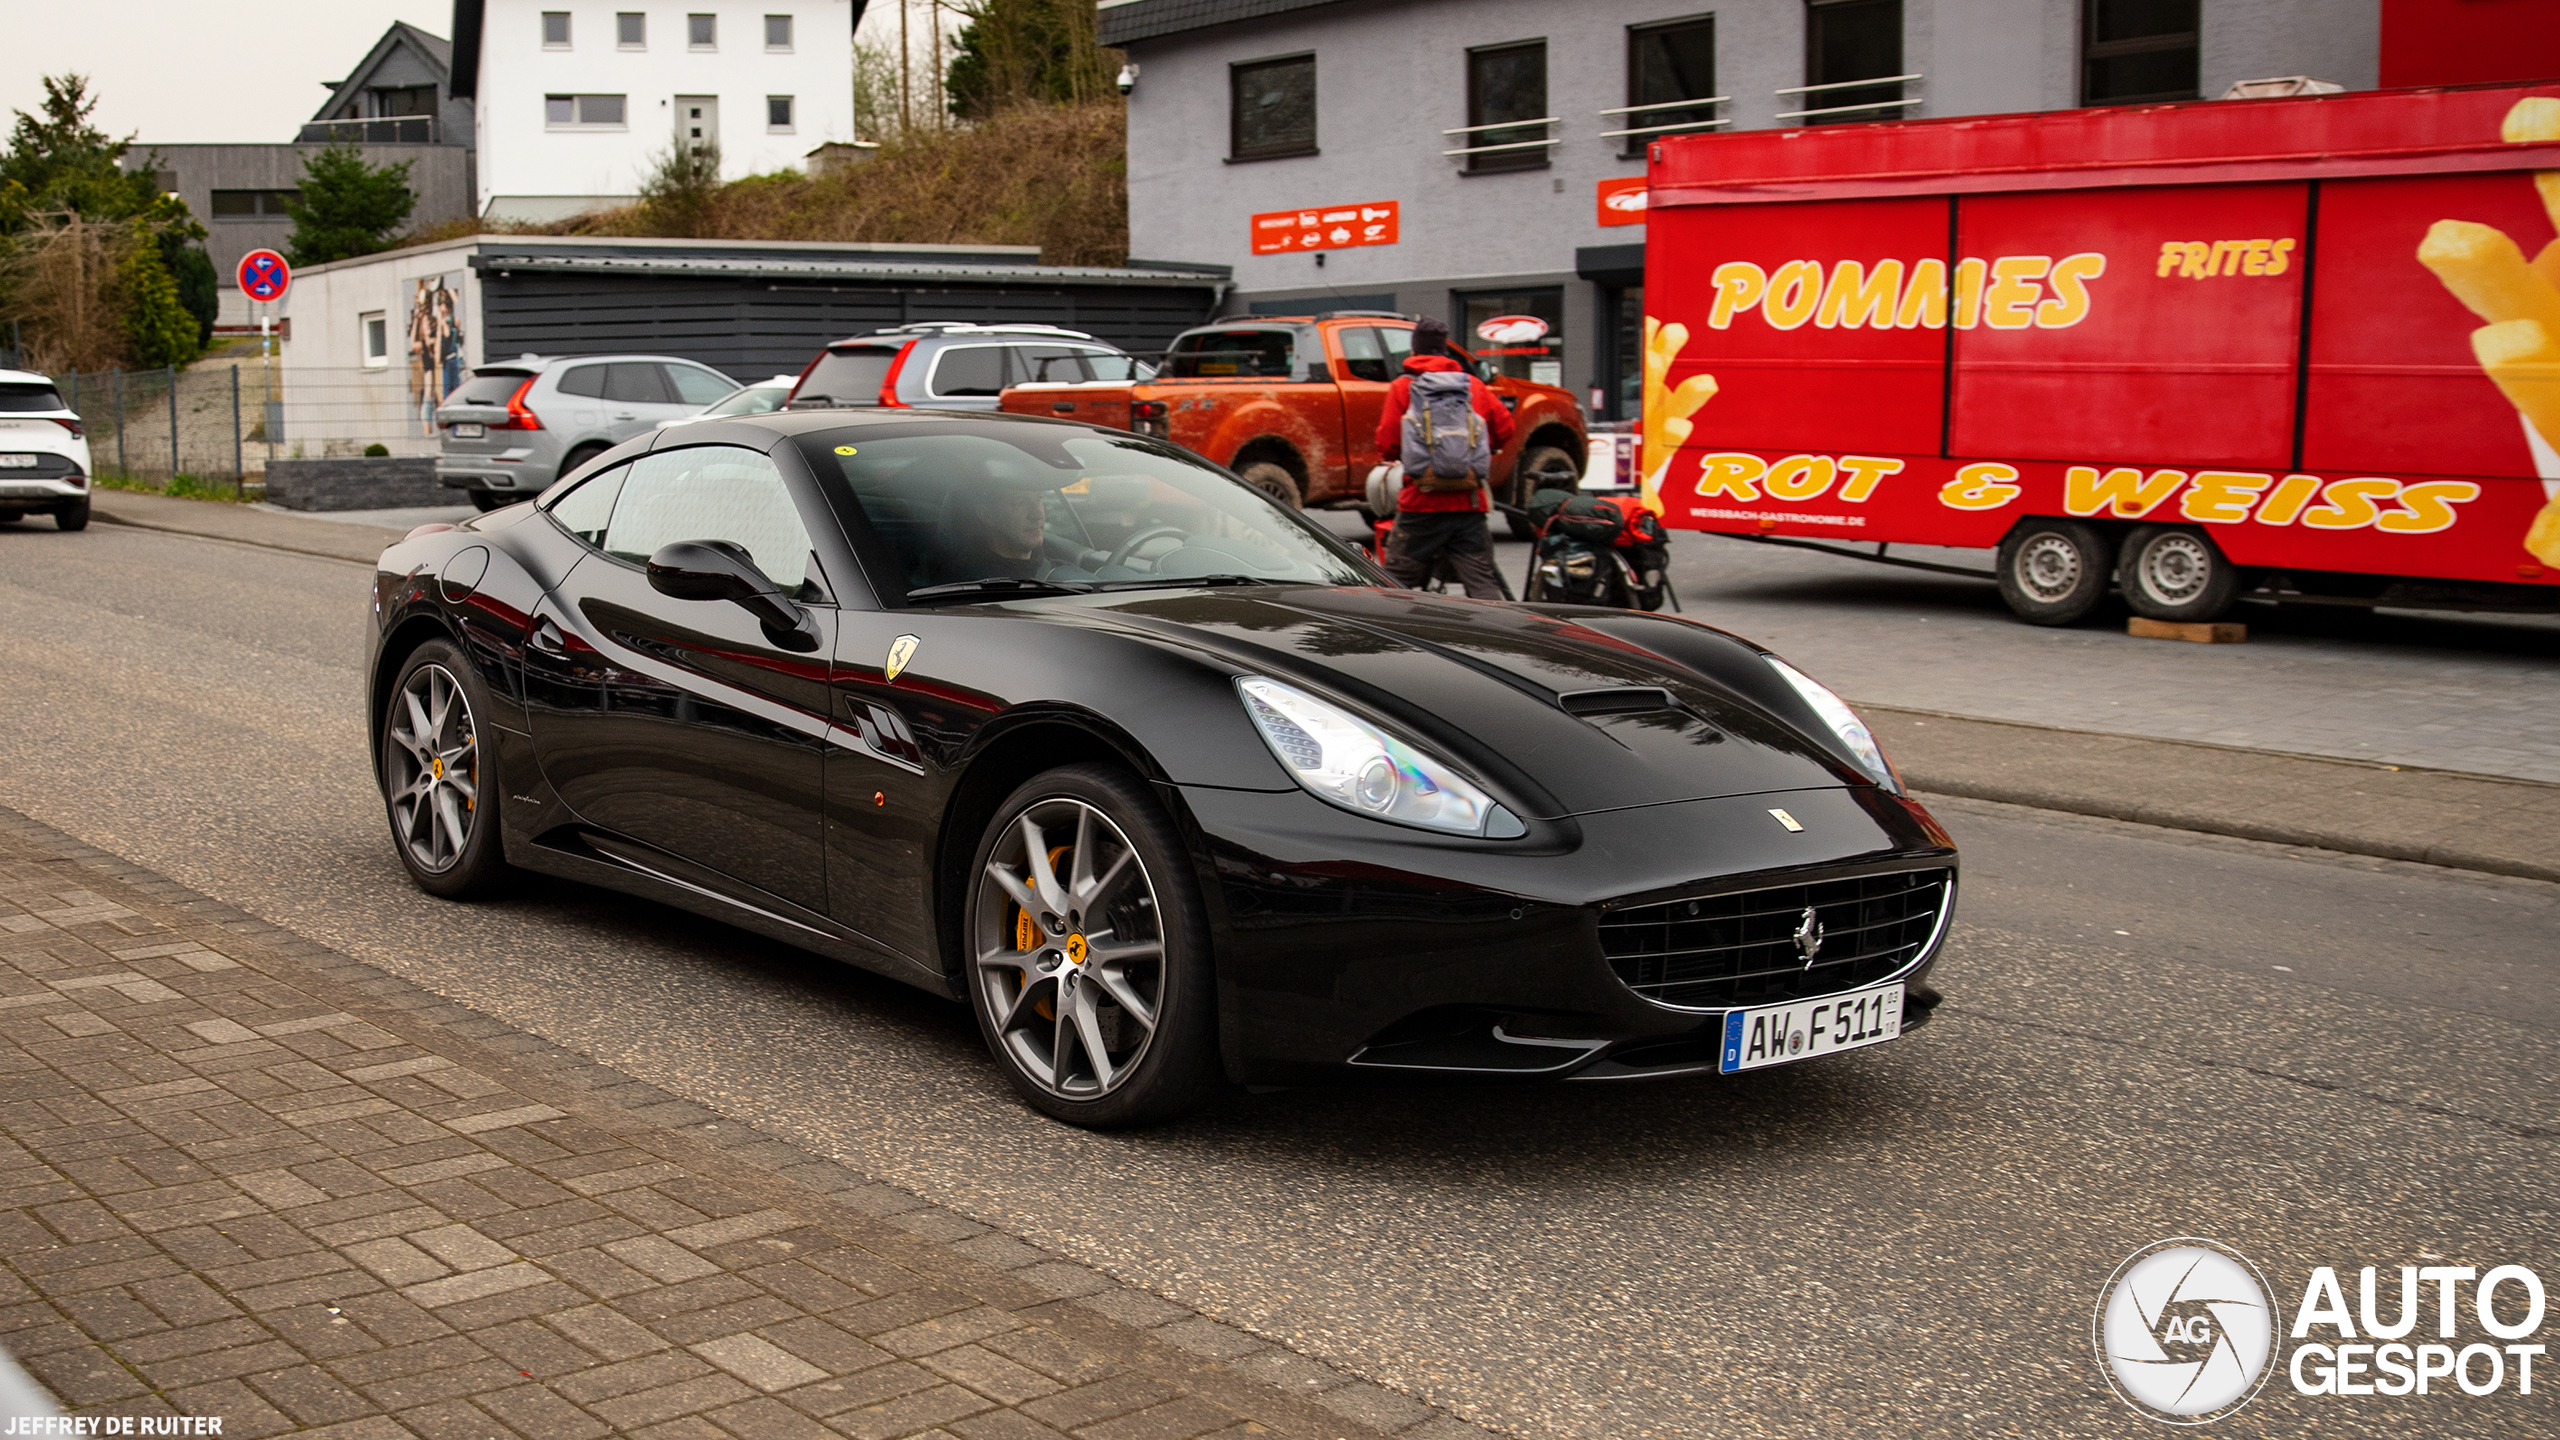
[[1496, 128], [393, 106]]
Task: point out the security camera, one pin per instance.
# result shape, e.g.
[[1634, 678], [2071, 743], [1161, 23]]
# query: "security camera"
[[1128, 79]]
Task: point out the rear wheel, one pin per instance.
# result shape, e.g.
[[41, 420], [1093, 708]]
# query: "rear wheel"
[[1087, 954], [2175, 572], [73, 517], [487, 500], [2054, 572], [1540, 467], [1273, 479], [441, 789], [577, 460]]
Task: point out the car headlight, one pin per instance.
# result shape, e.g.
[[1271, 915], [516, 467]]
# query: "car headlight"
[[1344, 760], [1844, 722]]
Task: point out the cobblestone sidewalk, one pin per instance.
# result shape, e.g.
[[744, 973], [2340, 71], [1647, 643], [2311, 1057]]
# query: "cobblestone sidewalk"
[[243, 1176]]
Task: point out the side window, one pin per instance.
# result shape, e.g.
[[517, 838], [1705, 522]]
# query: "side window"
[[588, 505], [969, 370], [637, 383], [587, 380], [698, 387], [1054, 364], [711, 492], [1399, 343], [1362, 356]]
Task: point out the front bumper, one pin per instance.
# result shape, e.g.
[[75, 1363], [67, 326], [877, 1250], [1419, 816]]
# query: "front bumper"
[[1351, 946]]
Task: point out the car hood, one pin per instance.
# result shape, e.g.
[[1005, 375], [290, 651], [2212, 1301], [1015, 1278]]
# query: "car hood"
[[1522, 695]]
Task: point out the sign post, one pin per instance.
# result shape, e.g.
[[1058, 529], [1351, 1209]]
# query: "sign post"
[[264, 277]]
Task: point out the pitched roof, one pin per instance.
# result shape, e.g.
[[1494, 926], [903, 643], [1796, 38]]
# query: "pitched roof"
[[434, 49]]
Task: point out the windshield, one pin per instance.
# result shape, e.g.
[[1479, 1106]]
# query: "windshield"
[[753, 400], [1018, 505], [1225, 354]]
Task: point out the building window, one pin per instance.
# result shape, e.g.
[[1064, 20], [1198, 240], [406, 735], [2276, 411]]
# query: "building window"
[[777, 114], [777, 32], [2137, 51], [1539, 361], [555, 29], [583, 112], [702, 32], [376, 326], [251, 204], [1506, 84], [631, 30], [1666, 64], [1271, 108], [1848, 40], [384, 102]]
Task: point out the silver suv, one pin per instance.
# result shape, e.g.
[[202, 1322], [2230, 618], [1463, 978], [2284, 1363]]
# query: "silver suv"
[[517, 425], [952, 365]]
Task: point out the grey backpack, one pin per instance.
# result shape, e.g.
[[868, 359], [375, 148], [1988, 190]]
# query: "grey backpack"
[[1445, 445]]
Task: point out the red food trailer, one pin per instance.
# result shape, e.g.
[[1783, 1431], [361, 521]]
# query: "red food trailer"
[[2304, 348]]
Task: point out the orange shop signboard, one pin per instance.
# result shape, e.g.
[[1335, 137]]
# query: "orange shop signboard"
[[1622, 201], [1331, 227]]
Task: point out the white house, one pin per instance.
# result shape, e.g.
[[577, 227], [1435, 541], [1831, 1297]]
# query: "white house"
[[577, 100]]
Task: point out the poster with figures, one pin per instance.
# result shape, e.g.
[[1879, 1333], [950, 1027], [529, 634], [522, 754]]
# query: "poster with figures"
[[434, 329]]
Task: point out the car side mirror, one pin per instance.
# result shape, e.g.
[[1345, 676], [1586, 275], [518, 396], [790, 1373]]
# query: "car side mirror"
[[723, 570]]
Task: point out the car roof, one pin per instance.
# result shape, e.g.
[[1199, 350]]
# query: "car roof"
[[25, 377], [790, 423], [536, 364], [963, 330]]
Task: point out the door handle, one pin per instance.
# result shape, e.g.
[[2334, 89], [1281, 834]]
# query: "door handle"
[[624, 415], [1062, 407]]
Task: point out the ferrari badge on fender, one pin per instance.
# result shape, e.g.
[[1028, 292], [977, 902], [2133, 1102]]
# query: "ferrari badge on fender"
[[901, 650]]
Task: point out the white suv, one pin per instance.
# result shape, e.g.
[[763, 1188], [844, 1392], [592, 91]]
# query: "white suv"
[[44, 459]]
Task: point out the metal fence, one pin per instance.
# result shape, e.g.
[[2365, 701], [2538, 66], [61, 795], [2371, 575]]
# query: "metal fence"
[[225, 421]]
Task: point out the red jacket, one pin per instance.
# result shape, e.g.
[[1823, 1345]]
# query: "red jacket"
[[1497, 424]]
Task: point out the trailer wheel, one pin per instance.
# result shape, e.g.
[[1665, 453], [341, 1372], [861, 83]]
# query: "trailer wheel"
[[2176, 572], [2054, 572]]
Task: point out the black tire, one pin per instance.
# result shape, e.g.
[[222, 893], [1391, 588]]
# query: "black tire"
[[1273, 479], [2176, 572], [485, 501], [2054, 572], [1018, 962], [73, 517], [12, 517], [578, 459], [422, 824], [1540, 467]]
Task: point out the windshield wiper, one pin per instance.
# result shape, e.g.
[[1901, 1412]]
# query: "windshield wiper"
[[812, 400], [999, 586], [1190, 580]]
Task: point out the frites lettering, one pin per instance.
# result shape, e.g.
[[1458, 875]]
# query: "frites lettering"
[[2011, 292], [2209, 259]]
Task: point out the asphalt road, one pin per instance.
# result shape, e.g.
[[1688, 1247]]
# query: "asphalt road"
[[2318, 1060]]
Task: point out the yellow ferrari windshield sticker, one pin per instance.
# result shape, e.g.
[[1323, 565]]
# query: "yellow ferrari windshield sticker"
[[846, 450]]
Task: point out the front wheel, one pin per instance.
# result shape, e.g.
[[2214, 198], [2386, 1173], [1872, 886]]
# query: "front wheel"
[[1088, 954], [441, 788], [2174, 572], [2054, 572]]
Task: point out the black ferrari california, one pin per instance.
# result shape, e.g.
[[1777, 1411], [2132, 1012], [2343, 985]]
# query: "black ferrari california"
[[1175, 789]]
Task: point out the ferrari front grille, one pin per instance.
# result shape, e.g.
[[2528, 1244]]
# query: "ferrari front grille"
[[1761, 947]]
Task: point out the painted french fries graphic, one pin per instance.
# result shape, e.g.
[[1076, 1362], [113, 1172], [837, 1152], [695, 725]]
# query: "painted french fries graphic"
[[2519, 347], [1666, 410]]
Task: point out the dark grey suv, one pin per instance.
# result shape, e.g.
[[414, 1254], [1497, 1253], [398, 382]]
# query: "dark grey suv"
[[517, 425]]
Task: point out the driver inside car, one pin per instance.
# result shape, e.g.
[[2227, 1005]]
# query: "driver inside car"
[[997, 529]]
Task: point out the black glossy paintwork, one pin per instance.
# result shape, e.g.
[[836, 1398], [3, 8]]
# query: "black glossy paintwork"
[[670, 748]]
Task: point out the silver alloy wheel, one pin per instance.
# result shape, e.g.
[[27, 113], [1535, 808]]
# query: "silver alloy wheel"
[[1071, 967], [2048, 567], [435, 769], [2175, 568]]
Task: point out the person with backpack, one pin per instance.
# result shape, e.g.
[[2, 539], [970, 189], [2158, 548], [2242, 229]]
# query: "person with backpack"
[[1446, 426]]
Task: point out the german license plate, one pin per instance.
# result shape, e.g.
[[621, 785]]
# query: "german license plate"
[[17, 462], [469, 432], [1803, 1029]]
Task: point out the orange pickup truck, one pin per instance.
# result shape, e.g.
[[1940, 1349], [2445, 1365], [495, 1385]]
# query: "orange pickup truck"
[[1290, 403]]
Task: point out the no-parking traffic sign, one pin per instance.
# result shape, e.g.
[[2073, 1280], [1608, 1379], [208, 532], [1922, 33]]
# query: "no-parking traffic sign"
[[264, 276]]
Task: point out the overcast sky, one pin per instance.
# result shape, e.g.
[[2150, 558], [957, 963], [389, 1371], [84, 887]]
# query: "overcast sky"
[[181, 71]]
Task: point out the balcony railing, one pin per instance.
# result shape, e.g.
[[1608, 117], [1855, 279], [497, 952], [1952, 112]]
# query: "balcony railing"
[[1471, 151], [1877, 83], [384, 130], [1713, 123]]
